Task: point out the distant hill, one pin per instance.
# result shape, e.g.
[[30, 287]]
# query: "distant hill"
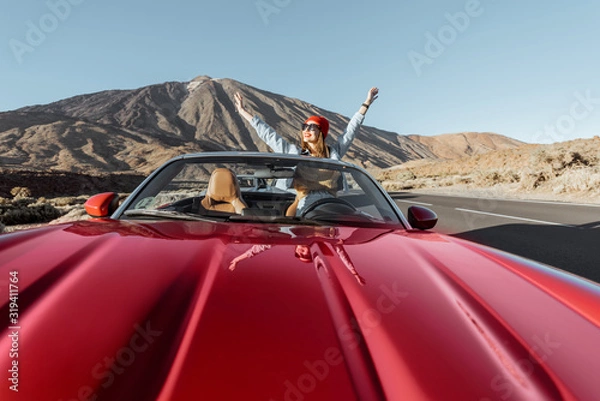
[[134, 131], [567, 171], [454, 146]]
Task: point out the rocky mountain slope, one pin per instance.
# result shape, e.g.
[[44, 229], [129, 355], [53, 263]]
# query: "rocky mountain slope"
[[134, 131], [565, 171]]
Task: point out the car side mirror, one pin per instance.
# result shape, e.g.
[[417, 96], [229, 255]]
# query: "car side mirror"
[[102, 205], [421, 218]]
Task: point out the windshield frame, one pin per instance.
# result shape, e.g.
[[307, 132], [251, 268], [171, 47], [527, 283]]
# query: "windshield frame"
[[278, 162]]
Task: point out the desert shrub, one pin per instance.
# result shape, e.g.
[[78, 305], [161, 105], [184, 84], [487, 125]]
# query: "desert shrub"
[[66, 201], [532, 180], [20, 192], [559, 158], [576, 159], [490, 178], [399, 185], [405, 175], [393, 186], [22, 213], [440, 182], [513, 176], [76, 212], [394, 175], [493, 178], [462, 179], [577, 180], [540, 156]]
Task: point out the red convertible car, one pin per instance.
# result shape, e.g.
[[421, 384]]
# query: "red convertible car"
[[314, 287]]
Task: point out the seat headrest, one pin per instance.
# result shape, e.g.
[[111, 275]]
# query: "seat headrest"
[[223, 186]]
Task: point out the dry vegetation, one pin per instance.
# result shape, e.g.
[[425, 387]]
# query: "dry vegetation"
[[30, 198], [24, 211], [568, 171]]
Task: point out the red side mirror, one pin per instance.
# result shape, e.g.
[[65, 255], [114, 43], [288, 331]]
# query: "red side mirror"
[[421, 217], [102, 205]]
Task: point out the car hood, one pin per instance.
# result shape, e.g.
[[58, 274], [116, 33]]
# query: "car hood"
[[118, 310]]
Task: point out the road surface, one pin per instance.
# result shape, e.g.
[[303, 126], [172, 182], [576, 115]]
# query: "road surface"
[[564, 235]]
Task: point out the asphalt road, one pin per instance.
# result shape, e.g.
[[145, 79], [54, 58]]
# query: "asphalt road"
[[564, 235]]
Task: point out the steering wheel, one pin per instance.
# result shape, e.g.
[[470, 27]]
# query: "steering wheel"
[[337, 206]]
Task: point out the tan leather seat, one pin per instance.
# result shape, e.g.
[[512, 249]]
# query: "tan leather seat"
[[223, 193]]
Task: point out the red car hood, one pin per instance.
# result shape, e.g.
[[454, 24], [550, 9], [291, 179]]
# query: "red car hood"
[[143, 311]]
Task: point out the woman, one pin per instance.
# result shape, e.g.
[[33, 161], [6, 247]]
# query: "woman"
[[312, 143], [313, 132]]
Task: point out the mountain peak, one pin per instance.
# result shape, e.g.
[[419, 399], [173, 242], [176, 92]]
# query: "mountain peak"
[[201, 78], [196, 82], [137, 130]]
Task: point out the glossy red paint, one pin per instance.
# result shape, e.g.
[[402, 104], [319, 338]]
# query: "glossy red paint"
[[129, 310], [102, 205]]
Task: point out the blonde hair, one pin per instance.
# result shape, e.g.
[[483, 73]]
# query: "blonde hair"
[[322, 150]]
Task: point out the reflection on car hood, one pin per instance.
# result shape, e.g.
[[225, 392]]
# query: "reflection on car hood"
[[144, 311]]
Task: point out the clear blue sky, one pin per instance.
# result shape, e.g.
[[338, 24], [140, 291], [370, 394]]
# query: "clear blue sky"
[[528, 70]]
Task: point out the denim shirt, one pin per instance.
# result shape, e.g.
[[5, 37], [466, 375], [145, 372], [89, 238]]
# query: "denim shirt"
[[280, 145]]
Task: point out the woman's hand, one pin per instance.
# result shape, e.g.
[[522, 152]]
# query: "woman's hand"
[[239, 102], [372, 95], [233, 264]]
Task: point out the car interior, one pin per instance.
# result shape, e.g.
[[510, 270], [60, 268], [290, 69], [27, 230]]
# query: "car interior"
[[213, 190]]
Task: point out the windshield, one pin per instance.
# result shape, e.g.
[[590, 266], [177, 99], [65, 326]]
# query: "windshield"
[[299, 190]]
